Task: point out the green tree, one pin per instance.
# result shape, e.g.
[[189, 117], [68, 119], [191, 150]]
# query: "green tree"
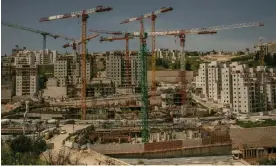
[[21, 144], [159, 62], [165, 64], [39, 146], [267, 162], [188, 66], [8, 157]]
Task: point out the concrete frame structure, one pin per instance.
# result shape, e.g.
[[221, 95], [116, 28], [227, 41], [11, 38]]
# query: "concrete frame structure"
[[116, 68]]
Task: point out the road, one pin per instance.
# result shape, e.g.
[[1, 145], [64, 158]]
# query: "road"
[[207, 160], [57, 140]]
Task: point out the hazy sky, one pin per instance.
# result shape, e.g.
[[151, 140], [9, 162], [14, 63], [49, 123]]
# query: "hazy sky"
[[186, 14]]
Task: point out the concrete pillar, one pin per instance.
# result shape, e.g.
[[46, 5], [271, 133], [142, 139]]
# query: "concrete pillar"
[[158, 137]]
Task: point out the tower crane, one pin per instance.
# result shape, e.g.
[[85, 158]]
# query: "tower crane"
[[84, 16], [43, 33], [152, 16], [127, 79], [182, 35], [76, 44], [126, 37], [143, 51]]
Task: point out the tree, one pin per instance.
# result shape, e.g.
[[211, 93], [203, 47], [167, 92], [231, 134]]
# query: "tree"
[[21, 144], [39, 146], [165, 64], [159, 62], [8, 157], [188, 66]]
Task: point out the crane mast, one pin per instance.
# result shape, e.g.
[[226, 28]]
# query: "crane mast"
[[84, 16], [152, 16], [182, 35], [143, 52], [153, 59], [144, 87]]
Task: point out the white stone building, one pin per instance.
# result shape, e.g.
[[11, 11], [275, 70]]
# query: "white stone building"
[[214, 81], [202, 79], [27, 80], [243, 89]]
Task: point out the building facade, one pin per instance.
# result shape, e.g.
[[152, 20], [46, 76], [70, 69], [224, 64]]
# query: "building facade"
[[236, 85], [116, 66], [27, 80]]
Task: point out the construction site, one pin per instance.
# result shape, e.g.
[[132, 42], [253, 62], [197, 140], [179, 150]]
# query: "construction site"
[[135, 112]]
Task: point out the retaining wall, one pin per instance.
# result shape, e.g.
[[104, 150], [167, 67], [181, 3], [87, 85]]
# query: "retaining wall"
[[207, 150], [117, 148], [162, 145], [253, 137], [191, 142], [140, 147]]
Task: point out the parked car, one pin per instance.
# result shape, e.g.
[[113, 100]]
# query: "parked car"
[[63, 132]]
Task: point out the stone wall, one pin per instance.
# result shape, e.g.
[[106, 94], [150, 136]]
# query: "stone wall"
[[191, 142], [253, 137], [208, 150], [116, 148], [162, 145]]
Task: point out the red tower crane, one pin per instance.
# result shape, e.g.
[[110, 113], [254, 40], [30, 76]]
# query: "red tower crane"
[[182, 36], [127, 79], [126, 37], [152, 16], [76, 44], [84, 15]]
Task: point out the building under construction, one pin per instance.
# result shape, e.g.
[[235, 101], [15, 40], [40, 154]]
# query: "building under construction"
[[116, 68]]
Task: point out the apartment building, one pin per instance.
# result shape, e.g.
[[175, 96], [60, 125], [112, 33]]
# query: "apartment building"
[[61, 72], [116, 66], [243, 89], [100, 87], [202, 79], [45, 56], [6, 65], [271, 88], [269, 48], [41, 57], [27, 82], [214, 80], [171, 55], [67, 70], [236, 85], [226, 84]]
